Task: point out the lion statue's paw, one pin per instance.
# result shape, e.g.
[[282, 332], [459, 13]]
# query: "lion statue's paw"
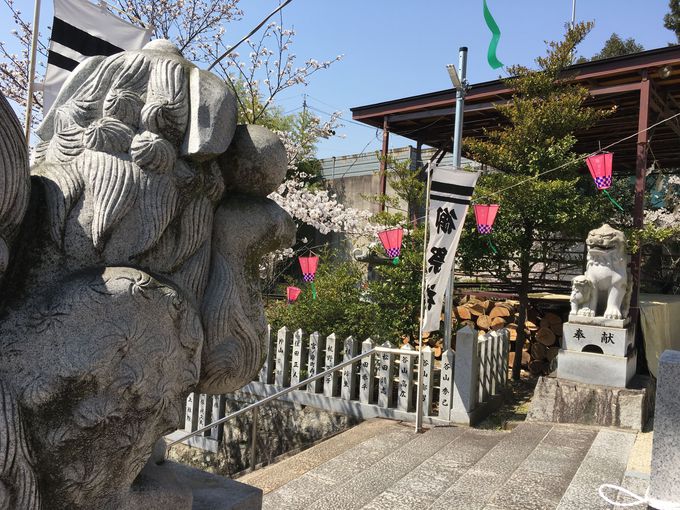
[[586, 312], [612, 313]]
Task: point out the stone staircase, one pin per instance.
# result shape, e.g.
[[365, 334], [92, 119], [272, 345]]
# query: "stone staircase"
[[383, 465]]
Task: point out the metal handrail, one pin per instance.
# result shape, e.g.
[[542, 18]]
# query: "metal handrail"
[[255, 405]]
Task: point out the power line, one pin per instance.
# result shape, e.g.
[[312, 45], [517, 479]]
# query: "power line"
[[229, 50], [581, 158]]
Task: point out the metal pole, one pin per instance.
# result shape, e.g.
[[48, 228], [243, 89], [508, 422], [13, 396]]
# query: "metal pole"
[[419, 399], [383, 163], [253, 440], [573, 13], [457, 150], [31, 70]]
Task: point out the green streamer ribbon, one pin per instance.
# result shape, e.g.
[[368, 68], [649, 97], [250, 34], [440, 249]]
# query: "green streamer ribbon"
[[612, 200], [493, 26], [313, 290], [493, 248], [395, 261]]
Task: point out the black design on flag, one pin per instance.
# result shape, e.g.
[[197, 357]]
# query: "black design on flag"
[[80, 30], [450, 194]]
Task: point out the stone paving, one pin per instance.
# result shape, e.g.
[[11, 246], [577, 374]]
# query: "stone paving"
[[384, 465]]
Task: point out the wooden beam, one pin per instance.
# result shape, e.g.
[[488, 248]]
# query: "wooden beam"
[[639, 203]]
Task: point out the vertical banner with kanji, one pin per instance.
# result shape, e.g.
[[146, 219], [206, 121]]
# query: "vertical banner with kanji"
[[450, 194]]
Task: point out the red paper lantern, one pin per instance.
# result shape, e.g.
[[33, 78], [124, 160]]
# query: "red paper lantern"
[[292, 294], [485, 216], [600, 166], [391, 241], [308, 266]]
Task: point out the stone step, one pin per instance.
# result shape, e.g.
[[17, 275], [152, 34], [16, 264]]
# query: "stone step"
[[274, 476], [540, 481], [477, 485], [361, 487], [314, 484], [422, 486], [605, 462]]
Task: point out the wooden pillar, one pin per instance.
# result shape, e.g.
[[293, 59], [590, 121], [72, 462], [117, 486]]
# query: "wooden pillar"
[[639, 203], [383, 161]]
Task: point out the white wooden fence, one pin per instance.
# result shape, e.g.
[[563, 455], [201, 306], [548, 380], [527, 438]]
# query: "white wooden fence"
[[463, 387]]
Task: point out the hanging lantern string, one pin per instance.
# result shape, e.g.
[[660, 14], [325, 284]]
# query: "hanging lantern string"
[[580, 158], [612, 200]]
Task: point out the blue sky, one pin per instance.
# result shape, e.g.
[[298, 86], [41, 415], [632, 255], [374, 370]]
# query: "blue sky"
[[397, 48]]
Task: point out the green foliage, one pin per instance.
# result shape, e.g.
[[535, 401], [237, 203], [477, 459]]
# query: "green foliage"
[[396, 291], [339, 288], [542, 116], [537, 221], [383, 309], [539, 210], [409, 187], [672, 19], [651, 235], [616, 47]]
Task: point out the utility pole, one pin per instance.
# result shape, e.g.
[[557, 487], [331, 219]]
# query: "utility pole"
[[459, 81], [573, 13], [31, 71]]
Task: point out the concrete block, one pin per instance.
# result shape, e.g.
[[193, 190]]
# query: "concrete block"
[[601, 369], [612, 341], [664, 483], [562, 401], [599, 321], [466, 373]]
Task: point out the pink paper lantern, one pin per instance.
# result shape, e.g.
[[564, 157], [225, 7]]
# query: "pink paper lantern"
[[308, 266], [485, 216], [391, 241], [600, 166], [292, 294]]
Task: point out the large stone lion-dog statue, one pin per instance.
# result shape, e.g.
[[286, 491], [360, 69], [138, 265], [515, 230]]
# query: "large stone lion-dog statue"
[[128, 274], [605, 288]]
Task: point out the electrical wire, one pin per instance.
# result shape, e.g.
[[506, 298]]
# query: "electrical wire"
[[360, 154], [580, 158], [229, 50]]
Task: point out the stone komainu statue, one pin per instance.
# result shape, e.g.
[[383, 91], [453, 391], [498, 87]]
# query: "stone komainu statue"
[[605, 288], [128, 272]]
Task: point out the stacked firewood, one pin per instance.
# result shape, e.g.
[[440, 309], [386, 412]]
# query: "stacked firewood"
[[543, 330]]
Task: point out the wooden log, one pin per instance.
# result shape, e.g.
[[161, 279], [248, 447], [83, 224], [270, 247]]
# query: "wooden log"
[[530, 325], [499, 311], [497, 323], [463, 313], [545, 336], [551, 353], [537, 367], [487, 306], [553, 322], [476, 309], [484, 322], [538, 350]]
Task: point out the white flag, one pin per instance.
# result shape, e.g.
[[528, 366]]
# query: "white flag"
[[450, 194], [80, 30]]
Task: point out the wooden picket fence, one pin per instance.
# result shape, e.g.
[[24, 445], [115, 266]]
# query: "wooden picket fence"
[[462, 387]]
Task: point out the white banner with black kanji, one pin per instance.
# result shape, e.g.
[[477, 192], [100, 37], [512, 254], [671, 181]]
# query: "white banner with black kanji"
[[80, 30], [450, 194]]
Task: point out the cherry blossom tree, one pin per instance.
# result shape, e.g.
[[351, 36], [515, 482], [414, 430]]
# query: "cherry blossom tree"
[[264, 67]]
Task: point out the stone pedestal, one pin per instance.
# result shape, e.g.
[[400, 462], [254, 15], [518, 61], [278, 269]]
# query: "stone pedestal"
[[173, 486], [664, 481], [600, 354], [562, 401]]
